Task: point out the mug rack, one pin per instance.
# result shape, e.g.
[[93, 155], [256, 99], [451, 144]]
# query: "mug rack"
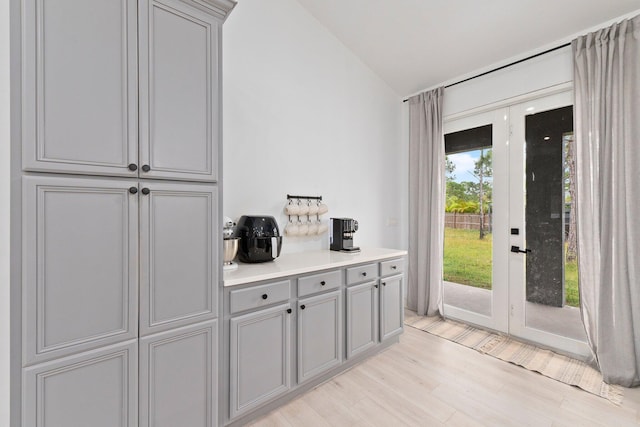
[[307, 211]]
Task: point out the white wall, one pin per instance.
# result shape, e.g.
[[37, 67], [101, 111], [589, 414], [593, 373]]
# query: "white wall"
[[303, 115], [4, 212]]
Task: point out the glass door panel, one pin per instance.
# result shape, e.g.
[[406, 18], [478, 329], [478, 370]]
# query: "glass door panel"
[[543, 270], [474, 286]]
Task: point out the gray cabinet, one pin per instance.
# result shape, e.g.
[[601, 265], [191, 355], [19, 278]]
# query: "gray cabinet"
[[92, 70], [320, 328], [178, 377], [362, 317], [179, 91], [178, 254], [97, 388], [260, 357], [80, 275], [80, 94], [391, 306]]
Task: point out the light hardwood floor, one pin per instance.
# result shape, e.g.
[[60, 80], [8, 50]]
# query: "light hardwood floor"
[[429, 381]]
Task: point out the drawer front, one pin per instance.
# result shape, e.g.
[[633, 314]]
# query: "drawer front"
[[394, 266], [319, 282], [259, 296], [361, 273]]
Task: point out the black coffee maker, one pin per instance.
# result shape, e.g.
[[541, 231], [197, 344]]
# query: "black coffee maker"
[[341, 233]]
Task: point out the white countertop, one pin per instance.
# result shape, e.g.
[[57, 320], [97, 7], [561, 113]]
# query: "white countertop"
[[304, 262]]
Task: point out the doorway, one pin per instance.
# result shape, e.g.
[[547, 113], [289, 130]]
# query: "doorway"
[[509, 232]]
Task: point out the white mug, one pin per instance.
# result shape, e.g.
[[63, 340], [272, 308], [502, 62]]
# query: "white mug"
[[292, 209], [313, 209], [322, 228], [304, 209], [303, 229], [313, 228], [292, 229], [322, 209]]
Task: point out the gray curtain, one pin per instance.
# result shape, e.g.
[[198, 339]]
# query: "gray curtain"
[[426, 202], [607, 127]]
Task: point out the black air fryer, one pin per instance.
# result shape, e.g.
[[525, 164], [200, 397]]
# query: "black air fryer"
[[260, 239]]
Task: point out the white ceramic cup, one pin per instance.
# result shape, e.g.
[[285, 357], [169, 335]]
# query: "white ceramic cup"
[[313, 228], [303, 229], [292, 209], [322, 209], [304, 209], [292, 229], [313, 208]]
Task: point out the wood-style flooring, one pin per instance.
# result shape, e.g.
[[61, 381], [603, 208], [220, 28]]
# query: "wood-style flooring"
[[429, 381]]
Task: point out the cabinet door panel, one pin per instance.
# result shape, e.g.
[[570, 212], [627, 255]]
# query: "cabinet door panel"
[[178, 377], [179, 255], [80, 264], [391, 307], [178, 91], [362, 318], [319, 334], [260, 358], [80, 86], [98, 388]]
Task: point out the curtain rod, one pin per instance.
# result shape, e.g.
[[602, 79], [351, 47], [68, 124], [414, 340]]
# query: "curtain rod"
[[505, 66]]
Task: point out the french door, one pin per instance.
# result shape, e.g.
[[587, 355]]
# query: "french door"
[[516, 161]]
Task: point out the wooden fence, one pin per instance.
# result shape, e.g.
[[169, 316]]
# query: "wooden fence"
[[466, 221]]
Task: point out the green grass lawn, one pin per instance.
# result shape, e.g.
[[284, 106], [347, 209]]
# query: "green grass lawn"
[[467, 260]]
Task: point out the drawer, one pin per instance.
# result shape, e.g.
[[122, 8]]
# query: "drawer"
[[390, 267], [259, 296], [319, 282], [361, 273]]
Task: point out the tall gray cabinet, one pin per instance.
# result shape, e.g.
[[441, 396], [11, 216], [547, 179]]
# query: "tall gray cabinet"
[[120, 212]]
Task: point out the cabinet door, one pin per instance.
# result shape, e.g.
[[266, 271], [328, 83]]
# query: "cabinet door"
[[80, 276], [178, 377], [179, 91], [79, 89], [319, 334], [391, 307], [259, 358], [178, 254], [98, 388], [362, 318]]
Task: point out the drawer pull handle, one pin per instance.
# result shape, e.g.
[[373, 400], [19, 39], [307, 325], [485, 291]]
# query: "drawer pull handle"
[[364, 273], [375, 286], [132, 166], [265, 296], [384, 283], [133, 190], [393, 267], [145, 190], [302, 307], [289, 310], [323, 283], [146, 168]]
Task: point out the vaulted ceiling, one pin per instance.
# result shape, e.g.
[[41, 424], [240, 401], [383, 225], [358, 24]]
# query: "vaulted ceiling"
[[416, 44]]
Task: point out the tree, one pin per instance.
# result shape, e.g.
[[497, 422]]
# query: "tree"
[[570, 191], [483, 169]]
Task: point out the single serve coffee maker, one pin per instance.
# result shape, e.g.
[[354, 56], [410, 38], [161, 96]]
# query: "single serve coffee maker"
[[341, 233]]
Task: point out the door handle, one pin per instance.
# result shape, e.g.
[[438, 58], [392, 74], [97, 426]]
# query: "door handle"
[[517, 250]]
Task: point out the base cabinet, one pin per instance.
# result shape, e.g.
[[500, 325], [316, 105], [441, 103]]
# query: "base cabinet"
[[97, 388], [260, 365], [319, 334], [391, 307], [178, 377], [362, 317]]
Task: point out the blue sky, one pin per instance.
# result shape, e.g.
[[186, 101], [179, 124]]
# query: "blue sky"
[[464, 164]]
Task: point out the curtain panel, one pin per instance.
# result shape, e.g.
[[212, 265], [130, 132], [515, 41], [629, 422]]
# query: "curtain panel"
[[607, 147], [426, 202]]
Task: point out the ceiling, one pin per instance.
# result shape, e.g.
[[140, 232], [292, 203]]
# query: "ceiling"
[[417, 44]]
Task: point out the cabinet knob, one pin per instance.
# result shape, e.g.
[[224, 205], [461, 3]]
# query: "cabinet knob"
[[132, 167], [133, 190], [302, 307], [323, 283], [393, 267], [146, 168], [145, 190], [364, 273], [289, 310], [384, 283], [375, 286], [265, 296]]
